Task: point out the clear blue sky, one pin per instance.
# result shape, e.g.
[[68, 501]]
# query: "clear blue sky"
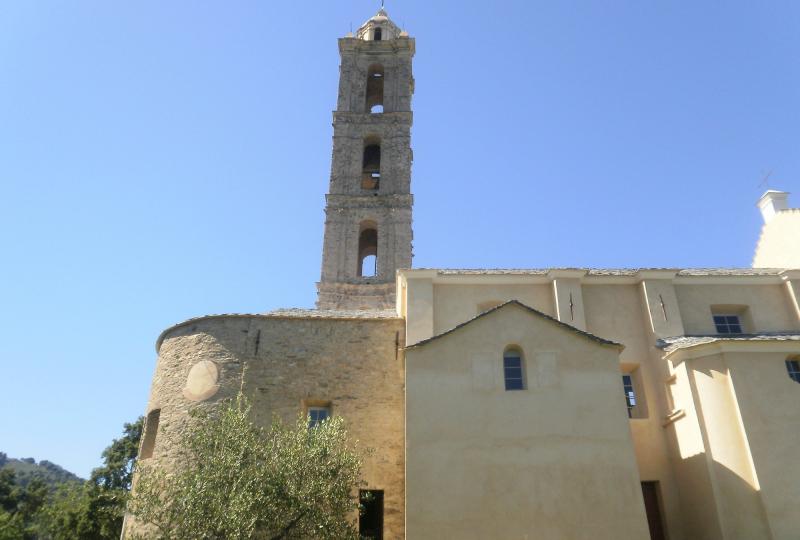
[[163, 160]]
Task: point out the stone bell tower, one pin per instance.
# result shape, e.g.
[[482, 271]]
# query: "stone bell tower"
[[368, 212]]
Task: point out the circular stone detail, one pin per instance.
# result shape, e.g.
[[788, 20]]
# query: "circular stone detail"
[[201, 383]]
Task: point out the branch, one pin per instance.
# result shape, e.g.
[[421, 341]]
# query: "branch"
[[292, 524]]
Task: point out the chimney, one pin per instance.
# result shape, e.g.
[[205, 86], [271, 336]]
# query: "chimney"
[[773, 202]]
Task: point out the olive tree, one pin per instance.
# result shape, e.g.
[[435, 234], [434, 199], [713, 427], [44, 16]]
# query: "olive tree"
[[237, 480]]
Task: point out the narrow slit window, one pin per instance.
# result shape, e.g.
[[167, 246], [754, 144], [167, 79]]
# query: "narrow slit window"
[[630, 394], [512, 370], [150, 431]]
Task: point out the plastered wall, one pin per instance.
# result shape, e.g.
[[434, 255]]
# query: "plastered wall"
[[553, 461]]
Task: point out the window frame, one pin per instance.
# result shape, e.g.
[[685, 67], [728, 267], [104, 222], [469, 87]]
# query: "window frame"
[[793, 368], [313, 419], [724, 323], [629, 388], [514, 353]]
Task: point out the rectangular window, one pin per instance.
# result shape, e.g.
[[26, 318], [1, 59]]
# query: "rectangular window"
[[316, 415], [728, 324], [793, 367], [370, 520], [630, 394], [512, 370]]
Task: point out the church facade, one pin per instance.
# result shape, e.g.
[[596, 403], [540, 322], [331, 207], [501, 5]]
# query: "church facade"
[[531, 404]]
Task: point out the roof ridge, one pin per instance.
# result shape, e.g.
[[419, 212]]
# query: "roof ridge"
[[535, 311]]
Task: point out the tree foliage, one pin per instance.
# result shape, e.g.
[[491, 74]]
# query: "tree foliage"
[[236, 480], [91, 510], [119, 458], [19, 506]]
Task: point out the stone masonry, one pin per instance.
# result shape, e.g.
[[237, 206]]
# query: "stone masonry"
[[368, 208], [285, 362]]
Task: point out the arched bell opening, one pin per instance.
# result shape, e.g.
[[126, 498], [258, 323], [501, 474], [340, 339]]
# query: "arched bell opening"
[[368, 249], [375, 88], [371, 164]]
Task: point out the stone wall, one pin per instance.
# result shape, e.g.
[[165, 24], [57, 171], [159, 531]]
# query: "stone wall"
[[282, 362]]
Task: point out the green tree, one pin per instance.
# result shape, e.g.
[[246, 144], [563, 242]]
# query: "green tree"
[[119, 458], [237, 480], [19, 505], [83, 511], [94, 510]]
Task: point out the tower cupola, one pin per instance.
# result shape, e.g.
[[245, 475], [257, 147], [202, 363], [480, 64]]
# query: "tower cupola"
[[379, 28]]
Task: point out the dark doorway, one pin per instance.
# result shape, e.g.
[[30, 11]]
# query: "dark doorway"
[[652, 505], [370, 522]]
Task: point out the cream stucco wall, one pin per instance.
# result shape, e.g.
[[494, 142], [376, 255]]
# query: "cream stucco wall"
[[768, 402], [453, 304], [779, 245], [769, 308], [709, 436], [555, 460]]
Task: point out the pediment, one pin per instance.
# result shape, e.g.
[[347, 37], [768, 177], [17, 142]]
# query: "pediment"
[[524, 310]]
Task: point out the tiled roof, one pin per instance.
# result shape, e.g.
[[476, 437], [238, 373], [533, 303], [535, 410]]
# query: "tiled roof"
[[290, 313], [531, 310], [332, 313], [682, 342], [610, 271]]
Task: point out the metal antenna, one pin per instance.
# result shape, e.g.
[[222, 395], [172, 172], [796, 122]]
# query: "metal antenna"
[[765, 180]]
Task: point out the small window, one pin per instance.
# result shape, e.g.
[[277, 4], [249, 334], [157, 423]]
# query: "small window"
[[512, 370], [793, 367], [634, 393], [630, 394], [317, 415], [378, 34], [150, 430], [728, 324]]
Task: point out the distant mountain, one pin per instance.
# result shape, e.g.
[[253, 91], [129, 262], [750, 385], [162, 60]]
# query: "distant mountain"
[[27, 469]]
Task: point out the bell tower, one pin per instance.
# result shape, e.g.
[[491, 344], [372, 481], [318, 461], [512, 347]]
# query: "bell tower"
[[368, 208]]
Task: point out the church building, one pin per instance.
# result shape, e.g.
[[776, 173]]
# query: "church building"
[[560, 403]]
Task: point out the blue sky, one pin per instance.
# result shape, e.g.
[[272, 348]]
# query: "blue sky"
[[163, 160]]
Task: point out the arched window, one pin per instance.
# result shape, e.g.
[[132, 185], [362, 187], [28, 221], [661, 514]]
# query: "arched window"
[[375, 88], [793, 367], [371, 168], [513, 369], [368, 250], [150, 430], [378, 34]]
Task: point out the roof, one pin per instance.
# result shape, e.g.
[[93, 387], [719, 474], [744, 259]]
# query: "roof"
[[517, 303], [684, 342], [291, 313], [611, 271], [333, 313]]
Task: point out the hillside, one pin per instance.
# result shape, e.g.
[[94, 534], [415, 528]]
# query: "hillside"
[[27, 468]]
